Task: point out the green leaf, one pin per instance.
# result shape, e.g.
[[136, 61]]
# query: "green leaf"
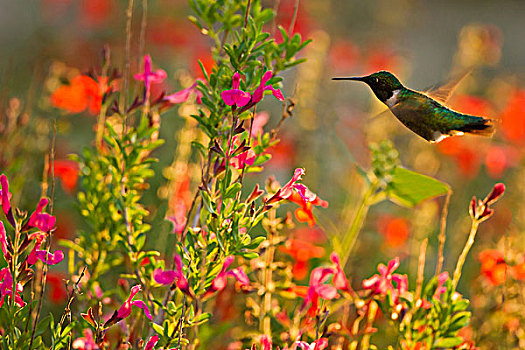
[[232, 190], [157, 328], [447, 343], [409, 188]]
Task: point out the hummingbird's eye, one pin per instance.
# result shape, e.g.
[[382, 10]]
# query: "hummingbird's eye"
[[376, 80]]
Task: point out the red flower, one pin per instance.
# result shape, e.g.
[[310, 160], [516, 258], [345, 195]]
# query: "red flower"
[[513, 118], [235, 96], [57, 290], [344, 56], [67, 171], [87, 342], [301, 252], [466, 157], [82, 92], [493, 266], [340, 281], [304, 212], [149, 76], [395, 230]]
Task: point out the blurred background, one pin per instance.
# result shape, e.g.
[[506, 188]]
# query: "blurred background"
[[43, 43]]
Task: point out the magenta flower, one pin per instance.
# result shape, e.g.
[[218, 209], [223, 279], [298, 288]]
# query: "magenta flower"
[[235, 96], [125, 310], [149, 76], [3, 241], [5, 195], [318, 288], [152, 342], [259, 91], [6, 288], [340, 282], [183, 95], [382, 284], [170, 276], [87, 342], [43, 255], [40, 220], [319, 344], [220, 282]]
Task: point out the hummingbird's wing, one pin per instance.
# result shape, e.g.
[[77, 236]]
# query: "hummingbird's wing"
[[442, 91]]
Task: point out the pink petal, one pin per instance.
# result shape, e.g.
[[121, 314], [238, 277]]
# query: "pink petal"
[[164, 277], [327, 292], [178, 97], [371, 282], [152, 342], [143, 306], [236, 79], [48, 258], [240, 275], [6, 205], [3, 239], [39, 208]]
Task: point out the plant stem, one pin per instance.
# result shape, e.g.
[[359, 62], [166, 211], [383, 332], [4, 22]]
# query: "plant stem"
[[442, 236], [351, 236], [267, 278], [464, 253]]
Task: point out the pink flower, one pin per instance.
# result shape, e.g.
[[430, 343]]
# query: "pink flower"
[[340, 282], [87, 342], [170, 276], [125, 310], [318, 289], [442, 278], [6, 287], [243, 159], [149, 76], [235, 96], [3, 240], [5, 195], [316, 345], [183, 95], [40, 220], [259, 91], [302, 190], [152, 342], [43, 255], [381, 284], [220, 282], [48, 258]]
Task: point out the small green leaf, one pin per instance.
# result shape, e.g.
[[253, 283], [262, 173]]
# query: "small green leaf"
[[447, 343], [409, 188]]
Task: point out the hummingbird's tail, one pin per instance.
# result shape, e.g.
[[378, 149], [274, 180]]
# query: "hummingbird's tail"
[[477, 126]]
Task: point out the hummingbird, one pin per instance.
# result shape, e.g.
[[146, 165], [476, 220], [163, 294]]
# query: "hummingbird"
[[424, 112]]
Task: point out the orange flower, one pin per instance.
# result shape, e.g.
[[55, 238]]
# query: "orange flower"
[[513, 118], [82, 92], [301, 252], [57, 290], [466, 157], [67, 172], [395, 230], [304, 212], [493, 266]]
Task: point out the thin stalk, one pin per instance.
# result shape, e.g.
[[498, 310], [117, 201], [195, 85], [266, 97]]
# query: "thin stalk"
[[48, 243], [442, 236], [464, 253], [127, 66], [351, 236], [267, 278], [421, 267]]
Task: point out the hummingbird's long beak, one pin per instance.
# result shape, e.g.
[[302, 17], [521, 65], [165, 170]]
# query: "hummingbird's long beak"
[[350, 78]]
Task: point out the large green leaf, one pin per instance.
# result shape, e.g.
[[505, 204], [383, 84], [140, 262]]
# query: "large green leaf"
[[409, 188]]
